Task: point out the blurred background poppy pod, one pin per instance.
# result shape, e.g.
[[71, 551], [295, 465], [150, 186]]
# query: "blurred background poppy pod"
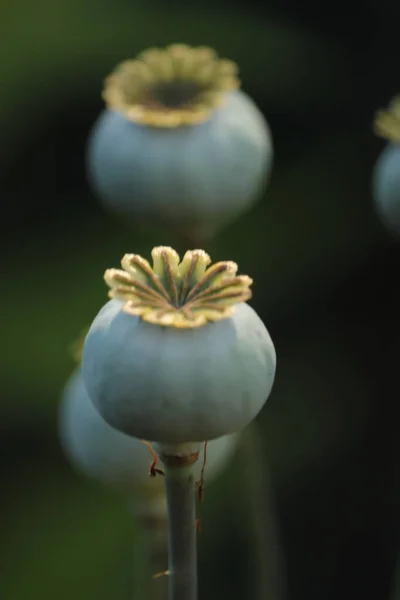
[[386, 175], [98, 451], [179, 144]]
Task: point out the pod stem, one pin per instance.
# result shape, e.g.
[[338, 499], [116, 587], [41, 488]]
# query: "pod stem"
[[269, 564], [181, 504], [153, 543]]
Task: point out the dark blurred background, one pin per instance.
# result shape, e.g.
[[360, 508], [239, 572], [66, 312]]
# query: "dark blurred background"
[[325, 273]]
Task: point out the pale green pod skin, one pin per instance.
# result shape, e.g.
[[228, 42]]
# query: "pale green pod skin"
[[103, 453], [174, 385], [193, 179], [386, 187]]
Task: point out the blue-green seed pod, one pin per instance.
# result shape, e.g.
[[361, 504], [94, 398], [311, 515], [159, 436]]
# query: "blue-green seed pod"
[[97, 450], [386, 174], [386, 187], [172, 358], [178, 144]]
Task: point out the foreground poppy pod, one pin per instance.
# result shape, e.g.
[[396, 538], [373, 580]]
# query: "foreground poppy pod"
[[179, 144], [386, 176], [178, 356]]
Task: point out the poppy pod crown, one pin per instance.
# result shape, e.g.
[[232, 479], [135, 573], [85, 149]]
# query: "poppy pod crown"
[[175, 293], [387, 122], [178, 85]]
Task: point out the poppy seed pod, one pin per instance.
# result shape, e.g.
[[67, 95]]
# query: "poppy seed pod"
[[386, 175], [177, 356], [101, 452], [179, 145]]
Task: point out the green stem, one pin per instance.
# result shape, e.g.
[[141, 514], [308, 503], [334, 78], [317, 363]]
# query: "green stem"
[[156, 532], [141, 565], [269, 578], [395, 591], [180, 490]]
